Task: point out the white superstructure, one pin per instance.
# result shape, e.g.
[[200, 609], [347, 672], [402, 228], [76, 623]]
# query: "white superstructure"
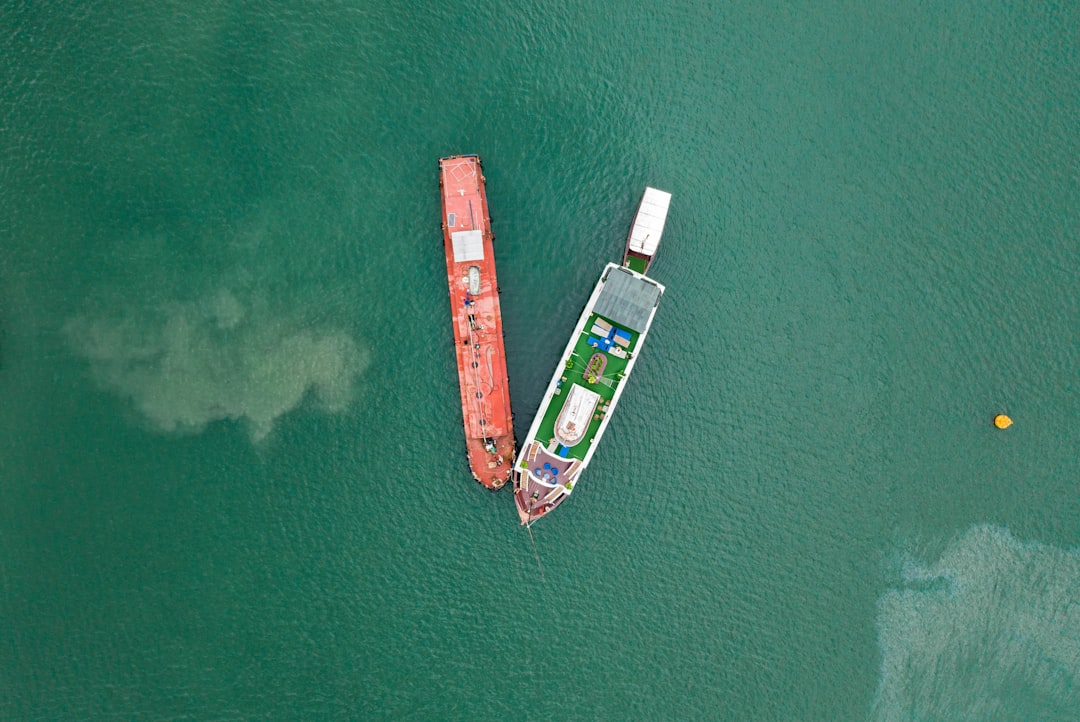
[[649, 222]]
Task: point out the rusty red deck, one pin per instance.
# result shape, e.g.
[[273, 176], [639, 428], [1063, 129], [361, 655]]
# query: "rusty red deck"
[[478, 337]]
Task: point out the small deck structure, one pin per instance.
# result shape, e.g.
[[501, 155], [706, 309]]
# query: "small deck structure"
[[647, 229]]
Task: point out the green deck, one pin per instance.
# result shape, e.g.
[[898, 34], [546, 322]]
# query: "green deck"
[[636, 264], [605, 386]]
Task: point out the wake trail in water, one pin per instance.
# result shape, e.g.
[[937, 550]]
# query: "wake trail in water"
[[536, 553]]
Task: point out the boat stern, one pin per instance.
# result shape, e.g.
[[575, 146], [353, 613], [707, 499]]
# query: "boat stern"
[[491, 460]]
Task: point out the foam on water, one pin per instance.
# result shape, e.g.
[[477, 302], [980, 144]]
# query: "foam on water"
[[991, 630], [185, 364]]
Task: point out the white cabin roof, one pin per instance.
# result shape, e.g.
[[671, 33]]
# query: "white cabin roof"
[[468, 245], [576, 415], [649, 221]]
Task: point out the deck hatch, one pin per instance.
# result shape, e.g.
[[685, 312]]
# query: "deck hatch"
[[468, 246]]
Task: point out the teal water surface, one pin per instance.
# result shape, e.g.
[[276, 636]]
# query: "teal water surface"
[[232, 476]]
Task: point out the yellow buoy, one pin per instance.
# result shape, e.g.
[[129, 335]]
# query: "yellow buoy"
[[1002, 421]]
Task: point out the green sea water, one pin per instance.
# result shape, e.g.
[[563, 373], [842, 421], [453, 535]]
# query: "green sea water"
[[232, 475]]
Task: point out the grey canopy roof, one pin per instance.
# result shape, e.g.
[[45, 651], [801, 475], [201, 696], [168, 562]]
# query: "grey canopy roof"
[[628, 300]]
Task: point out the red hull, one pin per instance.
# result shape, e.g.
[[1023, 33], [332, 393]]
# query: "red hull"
[[478, 335]]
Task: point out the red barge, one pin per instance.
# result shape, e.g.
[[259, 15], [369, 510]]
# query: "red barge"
[[478, 334]]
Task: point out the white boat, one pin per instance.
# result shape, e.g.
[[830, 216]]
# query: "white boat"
[[592, 372]]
